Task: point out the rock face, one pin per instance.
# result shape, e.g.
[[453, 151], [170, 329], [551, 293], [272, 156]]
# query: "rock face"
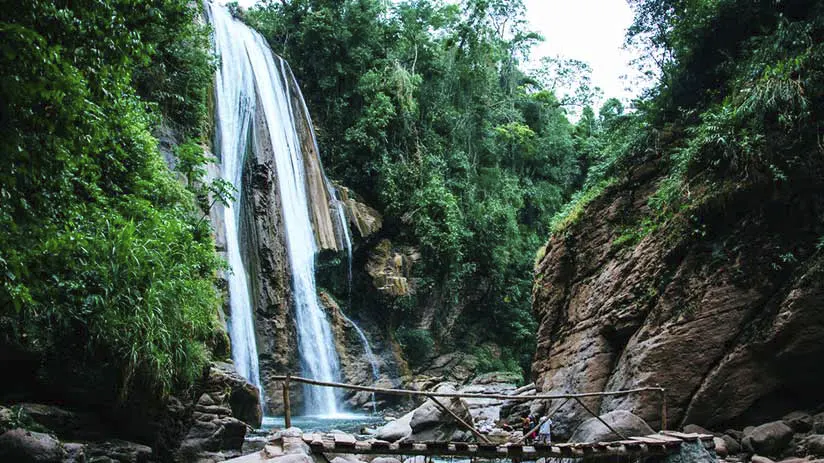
[[217, 422], [723, 305], [390, 268], [593, 430], [267, 265], [362, 218]]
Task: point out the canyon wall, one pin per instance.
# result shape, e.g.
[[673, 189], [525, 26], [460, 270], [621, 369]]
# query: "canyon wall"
[[722, 304]]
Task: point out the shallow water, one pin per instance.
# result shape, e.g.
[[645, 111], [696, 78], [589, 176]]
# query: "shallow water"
[[349, 423]]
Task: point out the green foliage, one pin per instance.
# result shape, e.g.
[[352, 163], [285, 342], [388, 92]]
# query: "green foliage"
[[106, 276], [574, 209], [422, 108], [488, 361], [417, 345]]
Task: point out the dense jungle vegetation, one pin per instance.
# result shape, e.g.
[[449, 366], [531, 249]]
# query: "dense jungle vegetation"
[[107, 273], [424, 108]]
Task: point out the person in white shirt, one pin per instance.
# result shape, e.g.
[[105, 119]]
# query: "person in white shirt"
[[544, 435]]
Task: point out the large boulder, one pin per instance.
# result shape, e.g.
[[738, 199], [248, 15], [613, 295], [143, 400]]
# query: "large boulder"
[[769, 439], [395, 430], [22, 446], [814, 444], [430, 422], [66, 424], [799, 421], [118, 451], [593, 430], [225, 385]]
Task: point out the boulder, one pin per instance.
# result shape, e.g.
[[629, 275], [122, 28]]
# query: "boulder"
[[429, 422], [295, 458], [720, 447], [799, 421], [760, 459], [732, 445], [118, 450], [64, 423], [694, 428], [814, 444], [818, 423], [768, 439], [735, 434], [385, 460], [243, 397], [395, 430], [592, 430], [22, 446]]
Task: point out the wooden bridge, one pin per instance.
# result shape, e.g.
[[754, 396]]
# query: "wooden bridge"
[[662, 444], [655, 445]]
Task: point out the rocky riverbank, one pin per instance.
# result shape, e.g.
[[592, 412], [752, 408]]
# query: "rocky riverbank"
[[211, 426]]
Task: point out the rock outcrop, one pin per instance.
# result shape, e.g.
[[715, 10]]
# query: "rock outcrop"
[[722, 304], [362, 218], [227, 406], [625, 423], [391, 268]]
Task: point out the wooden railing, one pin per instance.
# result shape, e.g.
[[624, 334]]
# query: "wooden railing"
[[433, 396]]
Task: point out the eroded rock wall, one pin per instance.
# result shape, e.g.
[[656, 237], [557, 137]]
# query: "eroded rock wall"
[[722, 305]]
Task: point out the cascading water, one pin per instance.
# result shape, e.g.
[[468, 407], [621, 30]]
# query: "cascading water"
[[370, 354], [253, 83], [235, 105]]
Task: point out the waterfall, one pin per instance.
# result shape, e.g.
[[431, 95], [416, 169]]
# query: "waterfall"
[[256, 95], [370, 354], [234, 106]]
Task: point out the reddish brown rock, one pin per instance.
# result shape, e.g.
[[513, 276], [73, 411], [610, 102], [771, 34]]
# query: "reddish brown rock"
[[722, 304]]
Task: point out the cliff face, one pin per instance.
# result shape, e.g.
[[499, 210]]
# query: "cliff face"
[[723, 305]]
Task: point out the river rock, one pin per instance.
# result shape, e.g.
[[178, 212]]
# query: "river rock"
[[592, 430], [732, 445], [429, 422], [735, 434], [818, 423], [22, 446], [720, 447], [814, 444], [768, 439], [694, 428], [385, 460], [396, 430], [117, 450], [65, 423], [760, 459], [798, 421]]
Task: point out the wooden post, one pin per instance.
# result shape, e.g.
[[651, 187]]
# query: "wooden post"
[[287, 412], [663, 409]]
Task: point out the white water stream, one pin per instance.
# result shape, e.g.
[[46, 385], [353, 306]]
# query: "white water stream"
[[253, 82]]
